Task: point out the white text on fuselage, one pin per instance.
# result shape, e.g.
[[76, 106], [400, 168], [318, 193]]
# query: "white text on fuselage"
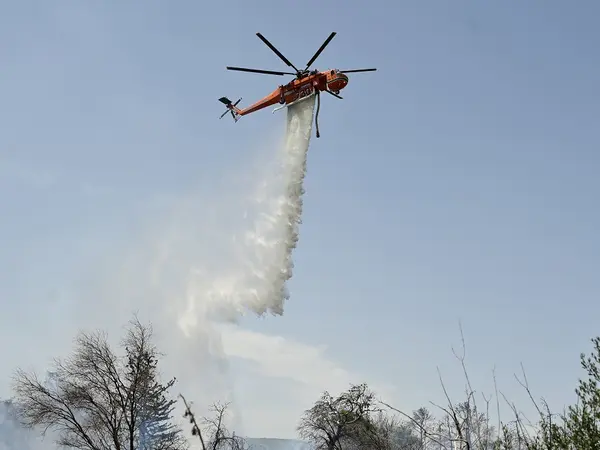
[[300, 93]]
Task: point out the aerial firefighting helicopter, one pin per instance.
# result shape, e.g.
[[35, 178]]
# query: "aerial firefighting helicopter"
[[306, 83]]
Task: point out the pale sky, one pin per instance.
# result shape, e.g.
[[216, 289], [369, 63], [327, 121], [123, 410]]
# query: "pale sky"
[[458, 182]]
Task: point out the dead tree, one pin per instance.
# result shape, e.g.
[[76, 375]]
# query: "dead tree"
[[213, 434], [96, 400]]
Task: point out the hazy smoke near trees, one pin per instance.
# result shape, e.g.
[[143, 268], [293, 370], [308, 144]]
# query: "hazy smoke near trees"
[[211, 260]]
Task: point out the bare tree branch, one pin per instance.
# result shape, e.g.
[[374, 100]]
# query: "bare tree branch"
[[434, 437], [96, 400], [214, 435]]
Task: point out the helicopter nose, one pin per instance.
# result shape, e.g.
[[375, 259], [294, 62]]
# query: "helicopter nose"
[[339, 81], [342, 80]]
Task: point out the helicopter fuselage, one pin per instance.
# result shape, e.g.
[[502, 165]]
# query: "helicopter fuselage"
[[300, 87]]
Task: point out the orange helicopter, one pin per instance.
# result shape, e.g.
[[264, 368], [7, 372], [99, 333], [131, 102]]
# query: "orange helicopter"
[[306, 83]]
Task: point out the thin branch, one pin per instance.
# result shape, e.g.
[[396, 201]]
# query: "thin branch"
[[427, 433]]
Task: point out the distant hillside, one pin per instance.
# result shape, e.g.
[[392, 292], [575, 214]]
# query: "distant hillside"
[[277, 444]]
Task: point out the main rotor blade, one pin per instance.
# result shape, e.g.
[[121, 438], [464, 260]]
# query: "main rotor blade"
[[316, 55], [267, 72], [358, 70], [277, 52]]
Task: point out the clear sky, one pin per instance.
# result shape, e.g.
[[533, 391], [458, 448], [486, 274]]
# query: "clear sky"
[[458, 182]]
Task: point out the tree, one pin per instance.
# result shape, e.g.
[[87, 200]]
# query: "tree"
[[580, 427], [403, 437], [214, 435], [96, 400], [421, 421], [335, 420], [388, 433], [463, 426], [471, 425]]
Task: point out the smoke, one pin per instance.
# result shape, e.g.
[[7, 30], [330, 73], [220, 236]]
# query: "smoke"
[[257, 262], [215, 256], [15, 437]]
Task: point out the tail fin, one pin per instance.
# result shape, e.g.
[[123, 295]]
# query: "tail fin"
[[231, 108]]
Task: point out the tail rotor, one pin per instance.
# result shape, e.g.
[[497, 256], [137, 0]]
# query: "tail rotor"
[[231, 108]]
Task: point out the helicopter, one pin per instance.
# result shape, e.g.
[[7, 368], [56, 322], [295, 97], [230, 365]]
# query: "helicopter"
[[305, 83]]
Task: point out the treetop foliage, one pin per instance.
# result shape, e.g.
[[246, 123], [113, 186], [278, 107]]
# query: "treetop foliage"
[[98, 400]]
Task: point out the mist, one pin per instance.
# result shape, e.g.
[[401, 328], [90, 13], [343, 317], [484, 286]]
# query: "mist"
[[211, 257]]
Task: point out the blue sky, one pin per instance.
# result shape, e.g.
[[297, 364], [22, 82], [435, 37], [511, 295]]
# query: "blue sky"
[[459, 181]]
